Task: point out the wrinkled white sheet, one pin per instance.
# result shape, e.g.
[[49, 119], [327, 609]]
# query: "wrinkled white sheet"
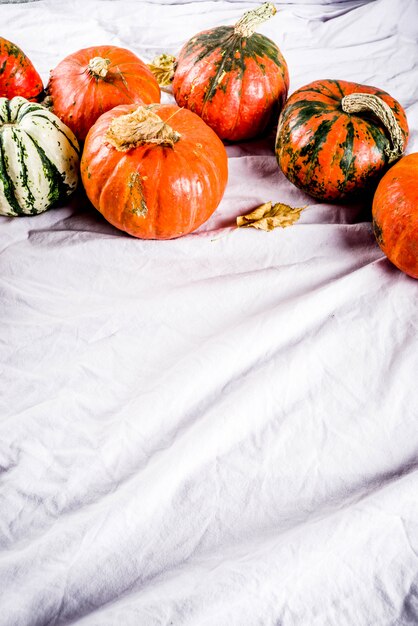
[[219, 430]]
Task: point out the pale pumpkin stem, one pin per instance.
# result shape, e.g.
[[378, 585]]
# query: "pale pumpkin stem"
[[142, 126], [359, 102], [163, 67], [99, 66], [246, 26]]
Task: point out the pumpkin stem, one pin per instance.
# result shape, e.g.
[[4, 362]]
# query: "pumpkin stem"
[[99, 67], [163, 67], [359, 102], [250, 20], [142, 126]]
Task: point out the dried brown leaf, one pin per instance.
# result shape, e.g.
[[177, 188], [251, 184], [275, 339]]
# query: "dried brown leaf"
[[268, 216], [163, 68]]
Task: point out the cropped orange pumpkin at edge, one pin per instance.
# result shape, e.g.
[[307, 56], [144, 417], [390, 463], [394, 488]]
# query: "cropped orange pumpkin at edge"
[[395, 214], [18, 76]]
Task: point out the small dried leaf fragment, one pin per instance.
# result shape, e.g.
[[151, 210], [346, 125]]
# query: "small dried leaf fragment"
[[163, 68], [268, 216]]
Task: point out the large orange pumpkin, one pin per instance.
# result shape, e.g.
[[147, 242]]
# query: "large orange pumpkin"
[[18, 76], [94, 80], [156, 172], [336, 138], [395, 214]]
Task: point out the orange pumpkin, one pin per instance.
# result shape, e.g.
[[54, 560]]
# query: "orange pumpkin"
[[336, 138], [18, 76], [94, 80], [235, 79], [395, 214], [156, 172]]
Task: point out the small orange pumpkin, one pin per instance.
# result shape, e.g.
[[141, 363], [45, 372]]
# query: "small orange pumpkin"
[[92, 81], [156, 172], [395, 214]]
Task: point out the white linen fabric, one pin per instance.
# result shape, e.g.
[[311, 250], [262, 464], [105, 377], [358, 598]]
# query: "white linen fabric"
[[219, 430]]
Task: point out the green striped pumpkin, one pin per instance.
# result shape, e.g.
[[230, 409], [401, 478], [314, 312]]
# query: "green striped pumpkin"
[[39, 158]]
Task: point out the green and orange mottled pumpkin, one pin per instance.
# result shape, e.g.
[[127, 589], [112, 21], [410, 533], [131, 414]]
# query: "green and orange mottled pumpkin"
[[236, 80], [336, 138], [395, 214], [18, 76]]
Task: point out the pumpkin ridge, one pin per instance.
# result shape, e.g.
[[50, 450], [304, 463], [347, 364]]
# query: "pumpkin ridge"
[[24, 172], [8, 187], [118, 86], [309, 90], [261, 46], [3, 113], [213, 81], [161, 189], [57, 186], [201, 168], [312, 149], [208, 41], [204, 157], [12, 49], [242, 83], [112, 218], [304, 110], [121, 77], [13, 72], [135, 75], [347, 161], [8, 111], [99, 98], [327, 91], [338, 86], [192, 170], [29, 108], [53, 122], [286, 128], [379, 138], [72, 98], [201, 165]]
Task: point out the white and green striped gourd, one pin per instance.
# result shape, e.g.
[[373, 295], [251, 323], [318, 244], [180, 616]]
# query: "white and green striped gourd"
[[39, 158]]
